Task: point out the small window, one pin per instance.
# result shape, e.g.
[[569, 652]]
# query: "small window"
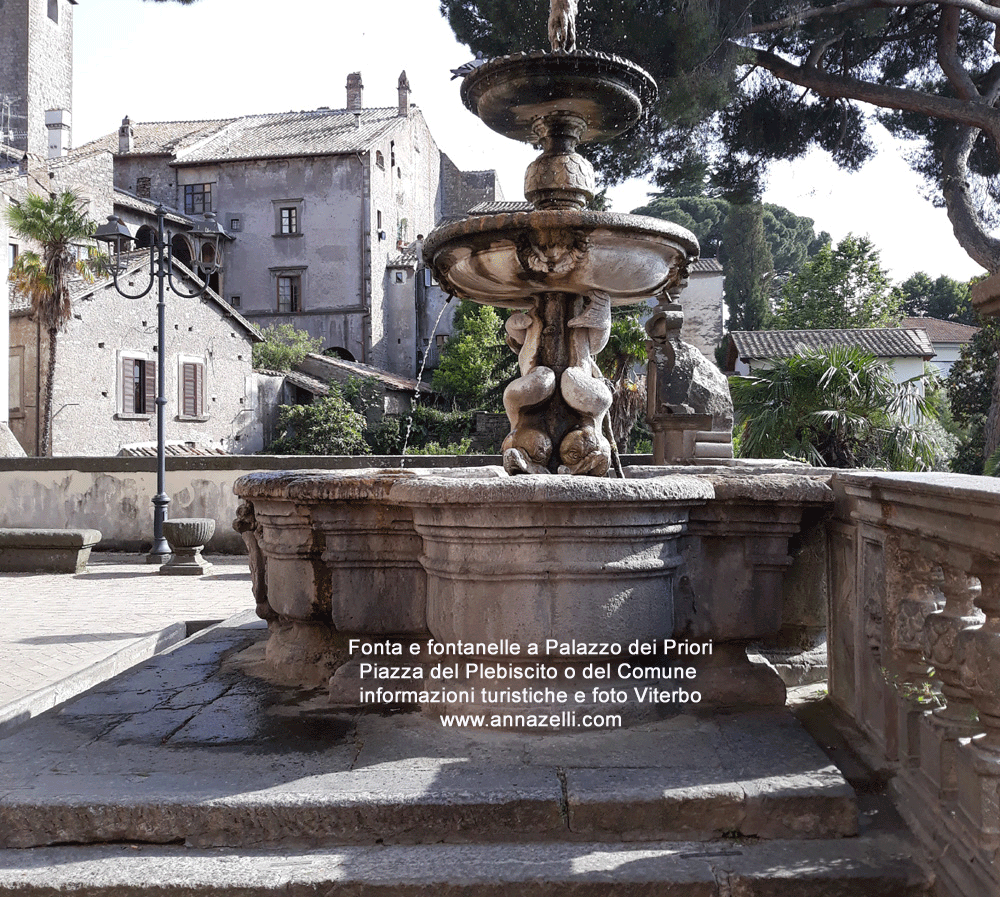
[[400, 277], [378, 220], [440, 340], [235, 225], [289, 287], [289, 223], [236, 301], [197, 199], [54, 10], [12, 251], [138, 380], [192, 398], [392, 153], [380, 159]]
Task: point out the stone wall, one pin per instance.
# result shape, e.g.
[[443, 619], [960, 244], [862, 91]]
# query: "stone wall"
[[114, 495], [88, 414], [36, 66]]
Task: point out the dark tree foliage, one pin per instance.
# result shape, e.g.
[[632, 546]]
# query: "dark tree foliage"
[[745, 83], [727, 231], [749, 267], [971, 382], [942, 298]]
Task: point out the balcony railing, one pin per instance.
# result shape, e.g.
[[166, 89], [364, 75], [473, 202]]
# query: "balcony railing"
[[914, 645]]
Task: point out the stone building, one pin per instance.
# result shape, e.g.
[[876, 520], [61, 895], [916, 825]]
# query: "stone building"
[[36, 75], [320, 205], [105, 379]]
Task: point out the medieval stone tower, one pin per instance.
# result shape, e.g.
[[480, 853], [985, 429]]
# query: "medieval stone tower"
[[36, 75]]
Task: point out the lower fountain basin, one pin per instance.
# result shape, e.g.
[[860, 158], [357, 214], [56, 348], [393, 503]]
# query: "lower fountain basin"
[[507, 259]]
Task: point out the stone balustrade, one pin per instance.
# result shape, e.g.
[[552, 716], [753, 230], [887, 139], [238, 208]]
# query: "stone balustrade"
[[915, 654]]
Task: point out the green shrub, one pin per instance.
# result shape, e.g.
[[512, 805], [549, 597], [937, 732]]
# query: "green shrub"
[[328, 426], [284, 347]]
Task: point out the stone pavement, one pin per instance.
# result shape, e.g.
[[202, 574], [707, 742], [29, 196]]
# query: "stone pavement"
[[188, 774], [62, 634]]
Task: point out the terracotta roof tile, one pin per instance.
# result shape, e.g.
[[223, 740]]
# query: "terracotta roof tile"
[[882, 343], [941, 331]]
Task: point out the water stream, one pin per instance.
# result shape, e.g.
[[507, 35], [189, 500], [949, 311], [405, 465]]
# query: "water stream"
[[420, 379]]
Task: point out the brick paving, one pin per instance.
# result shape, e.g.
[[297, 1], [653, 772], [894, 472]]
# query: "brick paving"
[[60, 632]]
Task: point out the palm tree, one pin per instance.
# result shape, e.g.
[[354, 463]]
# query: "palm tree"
[[839, 407], [55, 223]]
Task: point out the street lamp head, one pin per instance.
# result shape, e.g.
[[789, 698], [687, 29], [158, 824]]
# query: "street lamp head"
[[208, 237], [117, 237]]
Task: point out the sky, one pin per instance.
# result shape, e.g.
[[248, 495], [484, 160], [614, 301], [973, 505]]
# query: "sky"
[[222, 58]]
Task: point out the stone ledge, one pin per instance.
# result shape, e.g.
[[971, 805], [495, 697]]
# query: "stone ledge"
[[31, 550]]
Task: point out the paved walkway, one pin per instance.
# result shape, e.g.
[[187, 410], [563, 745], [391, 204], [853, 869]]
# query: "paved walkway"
[[62, 634]]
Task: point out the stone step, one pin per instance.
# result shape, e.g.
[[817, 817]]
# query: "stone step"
[[871, 866], [190, 748]]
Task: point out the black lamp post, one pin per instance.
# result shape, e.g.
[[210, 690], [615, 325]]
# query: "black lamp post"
[[208, 260]]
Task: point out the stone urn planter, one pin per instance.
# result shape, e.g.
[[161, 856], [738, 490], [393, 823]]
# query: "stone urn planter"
[[187, 537]]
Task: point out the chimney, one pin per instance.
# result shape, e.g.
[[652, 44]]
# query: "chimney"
[[355, 91], [58, 123], [404, 94], [125, 136]]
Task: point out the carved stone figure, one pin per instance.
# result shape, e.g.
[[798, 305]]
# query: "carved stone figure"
[[562, 25]]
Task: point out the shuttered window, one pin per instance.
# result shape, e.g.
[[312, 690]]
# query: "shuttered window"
[[192, 389], [138, 386]]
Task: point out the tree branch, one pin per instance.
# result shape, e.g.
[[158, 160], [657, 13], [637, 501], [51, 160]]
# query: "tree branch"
[[986, 11], [968, 227], [947, 54], [975, 114]]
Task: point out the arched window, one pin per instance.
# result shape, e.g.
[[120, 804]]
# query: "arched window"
[[181, 249], [380, 159], [145, 237], [339, 352]]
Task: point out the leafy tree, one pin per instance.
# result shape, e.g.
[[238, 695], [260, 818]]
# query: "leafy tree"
[[626, 347], [834, 408], [56, 223], [284, 346], [971, 383], [742, 84], [327, 426], [944, 298], [475, 361], [840, 288]]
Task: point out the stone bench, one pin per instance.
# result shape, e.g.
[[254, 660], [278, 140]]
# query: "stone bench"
[[37, 550]]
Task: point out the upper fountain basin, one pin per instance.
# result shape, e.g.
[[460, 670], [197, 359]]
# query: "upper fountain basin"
[[506, 259], [511, 93]]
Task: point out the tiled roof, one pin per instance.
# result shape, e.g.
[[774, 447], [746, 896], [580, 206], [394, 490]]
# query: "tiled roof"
[[131, 201], [364, 370], [501, 208], [706, 266], [407, 258], [941, 331], [309, 384], [174, 449], [159, 137], [882, 343], [320, 132]]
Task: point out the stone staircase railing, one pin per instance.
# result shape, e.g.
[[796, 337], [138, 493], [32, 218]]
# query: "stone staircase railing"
[[914, 643]]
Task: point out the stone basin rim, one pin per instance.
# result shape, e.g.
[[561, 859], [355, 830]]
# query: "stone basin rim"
[[548, 219], [541, 66], [494, 490], [553, 489]]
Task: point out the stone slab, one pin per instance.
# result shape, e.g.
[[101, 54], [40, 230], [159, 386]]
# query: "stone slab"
[[872, 866], [30, 549], [189, 748]]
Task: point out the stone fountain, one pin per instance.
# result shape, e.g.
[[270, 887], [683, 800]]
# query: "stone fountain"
[[556, 548]]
